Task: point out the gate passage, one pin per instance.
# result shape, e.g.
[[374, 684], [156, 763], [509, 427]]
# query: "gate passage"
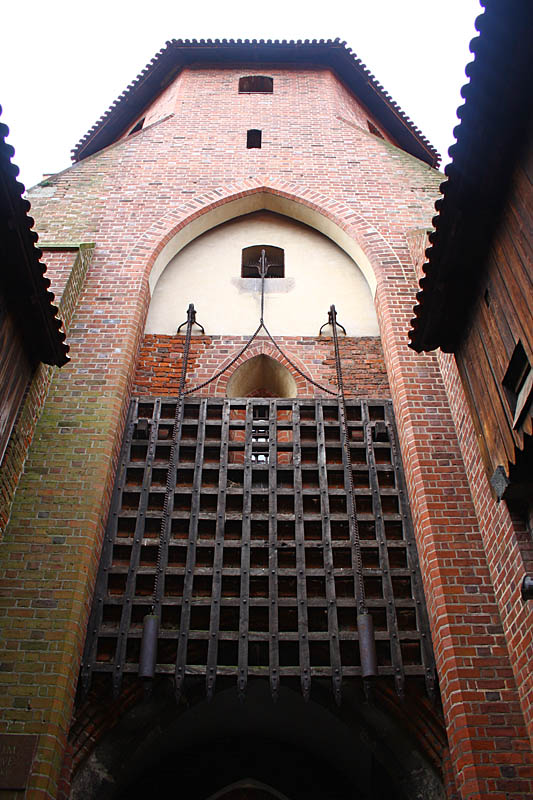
[[257, 576]]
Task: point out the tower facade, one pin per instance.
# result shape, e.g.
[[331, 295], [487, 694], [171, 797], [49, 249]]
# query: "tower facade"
[[259, 482]]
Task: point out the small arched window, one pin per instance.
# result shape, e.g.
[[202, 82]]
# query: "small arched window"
[[253, 139], [256, 84], [250, 261]]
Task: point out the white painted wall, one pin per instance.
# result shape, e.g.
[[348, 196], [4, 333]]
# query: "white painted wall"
[[317, 273]]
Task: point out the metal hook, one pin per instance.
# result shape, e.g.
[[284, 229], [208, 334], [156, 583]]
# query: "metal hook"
[[191, 317], [330, 322]]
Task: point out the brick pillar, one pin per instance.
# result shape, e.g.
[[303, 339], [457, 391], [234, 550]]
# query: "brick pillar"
[[51, 549], [489, 749]]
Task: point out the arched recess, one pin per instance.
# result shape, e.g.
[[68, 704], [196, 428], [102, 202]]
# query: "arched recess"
[[261, 376], [304, 388], [248, 789], [343, 224], [299, 749]]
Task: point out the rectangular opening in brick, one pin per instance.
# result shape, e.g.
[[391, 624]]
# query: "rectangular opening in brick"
[[253, 138]]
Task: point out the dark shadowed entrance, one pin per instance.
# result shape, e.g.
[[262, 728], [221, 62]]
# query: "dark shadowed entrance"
[[260, 749]]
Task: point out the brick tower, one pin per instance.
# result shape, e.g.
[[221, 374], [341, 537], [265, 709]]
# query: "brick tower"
[[262, 499]]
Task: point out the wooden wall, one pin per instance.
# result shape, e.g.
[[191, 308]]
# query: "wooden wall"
[[500, 320], [15, 373]]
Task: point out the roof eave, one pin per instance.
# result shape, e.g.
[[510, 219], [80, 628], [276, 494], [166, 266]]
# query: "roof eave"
[[177, 54], [24, 274], [479, 176]]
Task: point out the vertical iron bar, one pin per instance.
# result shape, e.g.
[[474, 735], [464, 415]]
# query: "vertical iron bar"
[[348, 474], [148, 654], [166, 522], [365, 625], [273, 622], [333, 625], [244, 603], [263, 269], [95, 620], [422, 621], [129, 592], [168, 505], [388, 594], [186, 601], [218, 557], [355, 545], [299, 536]]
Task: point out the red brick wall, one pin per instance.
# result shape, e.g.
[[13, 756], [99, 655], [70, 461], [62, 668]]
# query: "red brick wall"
[[67, 272], [507, 543], [160, 360], [131, 199]]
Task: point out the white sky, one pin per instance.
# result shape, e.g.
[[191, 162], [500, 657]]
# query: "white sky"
[[63, 63]]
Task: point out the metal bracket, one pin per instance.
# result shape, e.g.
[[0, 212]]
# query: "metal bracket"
[[330, 321], [191, 319]]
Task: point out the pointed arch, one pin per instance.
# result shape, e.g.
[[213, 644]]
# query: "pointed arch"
[[341, 223], [248, 787], [261, 376], [263, 347]]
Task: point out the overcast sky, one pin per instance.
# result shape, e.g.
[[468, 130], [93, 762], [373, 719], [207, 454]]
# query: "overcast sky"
[[63, 63]]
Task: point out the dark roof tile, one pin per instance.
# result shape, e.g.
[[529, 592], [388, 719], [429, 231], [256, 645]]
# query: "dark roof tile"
[[493, 126], [23, 274]]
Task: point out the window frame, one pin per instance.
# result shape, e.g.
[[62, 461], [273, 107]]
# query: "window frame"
[[243, 88], [277, 254]]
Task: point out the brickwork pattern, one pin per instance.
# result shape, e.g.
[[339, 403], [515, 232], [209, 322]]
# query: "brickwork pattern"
[[160, 360], [132, 199], [489, 748], [67, 272], [507, 543]]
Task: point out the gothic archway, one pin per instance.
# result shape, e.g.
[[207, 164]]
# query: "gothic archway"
[[295, 750], [234, 204], [343, 224], [248, 789], [261, 376]]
